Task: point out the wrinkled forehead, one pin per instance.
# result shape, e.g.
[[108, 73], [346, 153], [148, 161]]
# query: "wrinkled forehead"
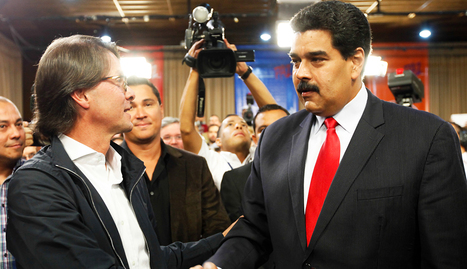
[[232, 119]]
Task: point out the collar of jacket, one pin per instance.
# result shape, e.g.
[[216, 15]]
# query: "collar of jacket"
[[132, 167]]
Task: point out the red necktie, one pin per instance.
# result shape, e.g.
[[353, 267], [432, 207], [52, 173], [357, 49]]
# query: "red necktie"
[[325, 169]]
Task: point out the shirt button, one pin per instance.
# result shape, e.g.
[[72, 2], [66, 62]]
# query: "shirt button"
[[152, 193], [5, 254]]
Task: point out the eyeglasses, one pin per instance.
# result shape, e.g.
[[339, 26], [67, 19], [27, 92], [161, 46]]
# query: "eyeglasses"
[[120, 80]]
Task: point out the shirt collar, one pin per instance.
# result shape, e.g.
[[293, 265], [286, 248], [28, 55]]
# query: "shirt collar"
[[77, 150], [350, 114]]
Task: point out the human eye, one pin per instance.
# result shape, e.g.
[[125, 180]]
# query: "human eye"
[[317, 59], [295, 62], [2, 126]]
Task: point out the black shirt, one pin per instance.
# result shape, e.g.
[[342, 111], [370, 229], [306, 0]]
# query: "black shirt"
[[160, 199]]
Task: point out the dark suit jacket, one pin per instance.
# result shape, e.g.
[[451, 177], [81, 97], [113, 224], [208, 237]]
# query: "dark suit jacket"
[[196, 209], [232, 187], [398, 199]]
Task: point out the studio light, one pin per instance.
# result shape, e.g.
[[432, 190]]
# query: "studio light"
[[375, 67], [284, 34], [136, 66], [265, 36], [426, 30], [106, 38], [425, 33]]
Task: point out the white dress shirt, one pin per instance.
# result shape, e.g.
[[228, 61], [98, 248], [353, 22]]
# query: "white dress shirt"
[[348, 119], [104, 172], [221, 162]]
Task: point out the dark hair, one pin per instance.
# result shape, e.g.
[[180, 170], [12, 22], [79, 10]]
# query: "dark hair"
[[265, 108], [463, 138], [68, 64], [218, 128], [135, 81], [348, 25]]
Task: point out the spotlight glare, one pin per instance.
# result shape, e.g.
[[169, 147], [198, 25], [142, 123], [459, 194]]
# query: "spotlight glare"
[[284, 34], [425, 33], [265, 37], [106, 38], [136, 66]]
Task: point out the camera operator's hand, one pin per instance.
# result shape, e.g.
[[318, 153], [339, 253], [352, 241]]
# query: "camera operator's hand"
[[29, 133], [242, 67], [257, 88], [196, 48]]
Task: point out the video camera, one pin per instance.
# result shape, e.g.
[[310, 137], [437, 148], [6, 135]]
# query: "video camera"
[[248, 115], [215, 60], [406, 87]]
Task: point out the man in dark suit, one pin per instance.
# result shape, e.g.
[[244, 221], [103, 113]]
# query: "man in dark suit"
[[186, 203], [398, 198], [234, 180]]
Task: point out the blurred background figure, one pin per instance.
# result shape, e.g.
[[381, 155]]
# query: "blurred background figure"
[[30, 151], [214, 119], [170, 132]]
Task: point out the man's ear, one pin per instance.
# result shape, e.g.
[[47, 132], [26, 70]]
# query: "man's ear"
[[358, 62], [254, 138], [81, 98], [219, 143]]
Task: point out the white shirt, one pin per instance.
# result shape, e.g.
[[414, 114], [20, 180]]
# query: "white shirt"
[[464, 159], [348, 119], [220, 162], [104, 172]]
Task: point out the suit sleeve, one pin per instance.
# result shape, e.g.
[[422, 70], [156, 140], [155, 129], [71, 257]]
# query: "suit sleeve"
[[230, 196], [248, 244], [442, 204]]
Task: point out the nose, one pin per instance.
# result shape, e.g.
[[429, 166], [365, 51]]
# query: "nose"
[[238, 125], [303, 72], [16, 133], [129, 94], [140, 113]]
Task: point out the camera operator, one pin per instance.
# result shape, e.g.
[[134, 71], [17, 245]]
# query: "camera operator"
[[234, 138]]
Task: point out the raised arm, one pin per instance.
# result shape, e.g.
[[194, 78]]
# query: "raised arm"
[[257, 88], [192, 141]]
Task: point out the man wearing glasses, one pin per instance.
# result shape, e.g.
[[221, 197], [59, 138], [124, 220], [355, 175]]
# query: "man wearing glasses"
[[82, 202]]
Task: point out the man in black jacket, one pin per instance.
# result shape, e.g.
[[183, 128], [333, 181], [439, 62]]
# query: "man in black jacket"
[[81, 202], [186, 203]]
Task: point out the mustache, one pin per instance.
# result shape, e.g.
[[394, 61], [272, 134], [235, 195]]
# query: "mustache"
[[303, 86]]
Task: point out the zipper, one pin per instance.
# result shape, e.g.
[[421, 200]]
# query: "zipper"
[[95, 210], [132, 209]]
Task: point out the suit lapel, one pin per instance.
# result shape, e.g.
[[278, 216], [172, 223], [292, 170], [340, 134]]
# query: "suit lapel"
[[177, 188], [296, 173], [362, 145]]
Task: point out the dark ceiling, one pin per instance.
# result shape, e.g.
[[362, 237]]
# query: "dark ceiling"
[[33, 24]]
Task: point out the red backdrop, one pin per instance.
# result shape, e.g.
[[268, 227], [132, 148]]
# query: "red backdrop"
[[155, 56], [409, 56]]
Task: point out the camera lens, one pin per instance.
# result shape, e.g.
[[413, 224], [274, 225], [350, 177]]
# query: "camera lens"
[[217, 62]]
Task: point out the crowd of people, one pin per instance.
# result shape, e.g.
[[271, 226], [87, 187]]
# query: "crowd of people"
[[351, 181]]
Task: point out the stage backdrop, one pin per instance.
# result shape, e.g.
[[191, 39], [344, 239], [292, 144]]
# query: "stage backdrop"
[[155, 56], [272, 66], [408, 56]]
